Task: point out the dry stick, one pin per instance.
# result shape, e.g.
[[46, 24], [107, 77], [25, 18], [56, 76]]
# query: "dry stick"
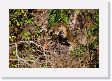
[[45, 57], [12, 44], [17, 54], [43, 14], [53, 54], [29, 42], [70, 62], [25, 60], [21, 58], [42, 19]]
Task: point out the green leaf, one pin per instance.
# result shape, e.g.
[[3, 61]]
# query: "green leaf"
[[64, 18], [18, 24], [51, 20], [25, 35], [80, 50], [28, 21], [14, 52], [22, 10], [58, 15]]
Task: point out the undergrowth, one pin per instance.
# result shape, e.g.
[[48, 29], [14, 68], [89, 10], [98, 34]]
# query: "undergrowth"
[[36, 42]]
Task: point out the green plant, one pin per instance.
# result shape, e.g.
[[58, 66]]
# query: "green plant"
[[37, 31], [58, 15], [12, 38], [80, 50], [25, 35], [19, 17], [71, 51]]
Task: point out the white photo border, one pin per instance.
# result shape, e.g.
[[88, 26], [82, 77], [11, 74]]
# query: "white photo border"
[[102, 71]]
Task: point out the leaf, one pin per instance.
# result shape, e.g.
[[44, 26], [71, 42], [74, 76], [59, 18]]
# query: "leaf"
[[53, 11], [51, 20], [57, 15], [22, 10], [18, 24], [14, 52], [64, 18], [25, 35], [28, 21]]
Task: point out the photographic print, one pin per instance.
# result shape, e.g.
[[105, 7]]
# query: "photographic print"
[[53, 38]]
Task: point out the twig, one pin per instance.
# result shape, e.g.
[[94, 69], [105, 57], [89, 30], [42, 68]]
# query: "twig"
[[30, 42], [21, 58], [25, 60]]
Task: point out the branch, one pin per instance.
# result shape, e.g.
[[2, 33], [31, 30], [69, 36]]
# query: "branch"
[[21, 58]]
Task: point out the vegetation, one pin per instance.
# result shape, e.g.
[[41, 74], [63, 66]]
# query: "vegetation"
[[54, 38]]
